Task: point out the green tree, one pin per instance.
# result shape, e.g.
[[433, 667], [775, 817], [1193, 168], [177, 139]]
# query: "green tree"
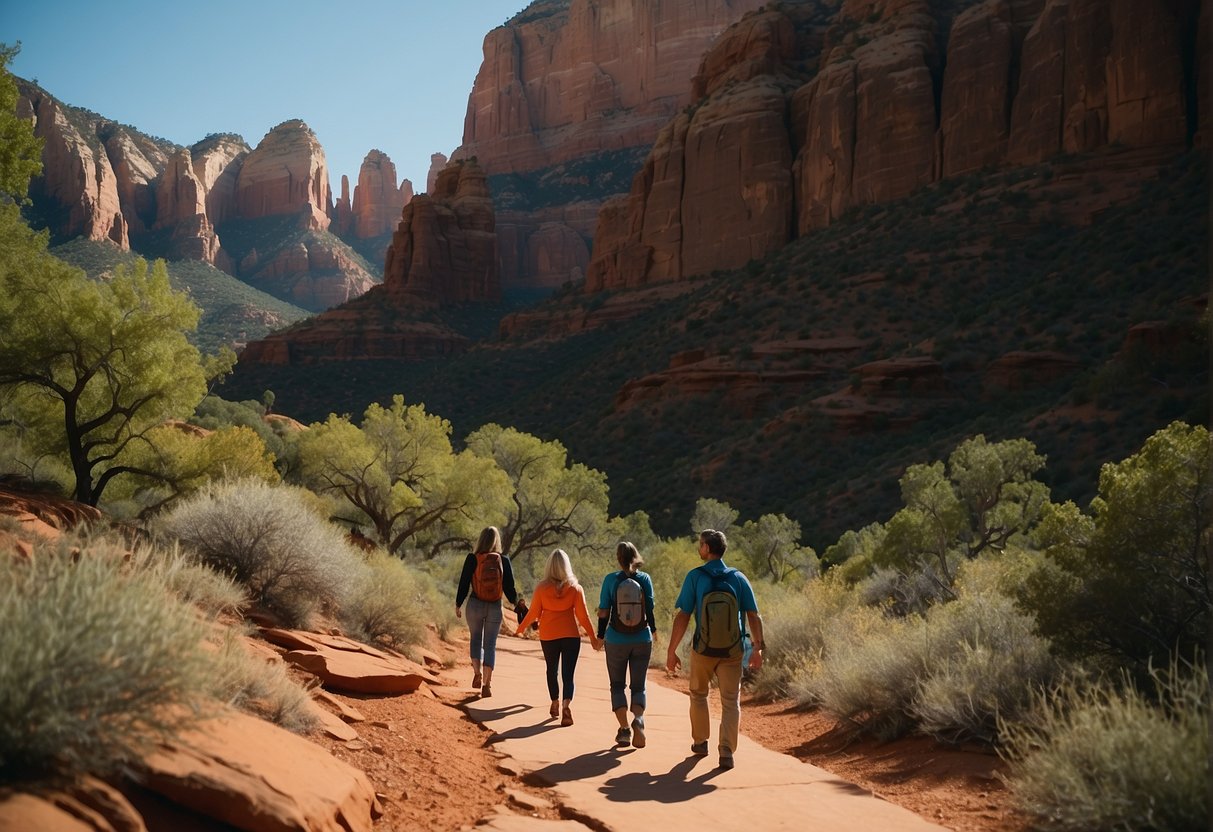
[[92, 367], [1129, 582], [772, 547], [553, 501], [20, 149], [712, 514], [978, 503], [397, 473]]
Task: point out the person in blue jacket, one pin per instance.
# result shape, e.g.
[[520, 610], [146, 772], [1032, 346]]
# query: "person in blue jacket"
[[627, 624]]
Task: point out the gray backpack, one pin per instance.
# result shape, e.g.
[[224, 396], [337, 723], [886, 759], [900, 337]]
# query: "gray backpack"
[[627, 607]]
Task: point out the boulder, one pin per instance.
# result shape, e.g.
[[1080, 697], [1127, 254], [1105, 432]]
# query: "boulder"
[[348, 665], [255, 776]]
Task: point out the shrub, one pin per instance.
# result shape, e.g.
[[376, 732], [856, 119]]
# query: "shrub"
[[264, 688], [100, 662], [794, 626], [269, 540], [193, 582], [390, 603], [1091, 757]]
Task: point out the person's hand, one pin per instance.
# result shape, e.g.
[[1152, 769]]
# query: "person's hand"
[[458, 612], [756, 660], [518, 633], [597, 642], [672, 663]]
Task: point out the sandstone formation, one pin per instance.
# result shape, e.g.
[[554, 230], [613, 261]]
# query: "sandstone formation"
[[313, 272], [217, 163], [378, 198], [77, 176], [443, 251], [343, 211], [445, 247], [566, 82], [1021, 370], [894, 102], [181, 207], [286, 174], [437, 163]]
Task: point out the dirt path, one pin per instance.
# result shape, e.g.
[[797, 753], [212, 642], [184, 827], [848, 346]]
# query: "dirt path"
[[435, 768]]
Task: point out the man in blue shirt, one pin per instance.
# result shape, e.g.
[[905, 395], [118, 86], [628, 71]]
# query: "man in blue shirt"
[[698, 584]]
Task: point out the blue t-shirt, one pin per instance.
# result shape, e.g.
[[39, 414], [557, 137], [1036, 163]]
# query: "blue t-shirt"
[[606, 599], [696, 584]]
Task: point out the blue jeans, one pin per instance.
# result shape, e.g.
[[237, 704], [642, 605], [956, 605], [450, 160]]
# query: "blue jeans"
[[620, 659], [484, 622], [560, 655]]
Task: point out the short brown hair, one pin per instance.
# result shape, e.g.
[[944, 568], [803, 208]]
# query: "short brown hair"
[[717, 542]]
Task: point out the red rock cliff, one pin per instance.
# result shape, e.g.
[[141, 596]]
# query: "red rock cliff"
[[887, 110], [378, 197], [286, 174]]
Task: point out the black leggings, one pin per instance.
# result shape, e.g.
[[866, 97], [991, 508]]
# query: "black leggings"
[[561, 653]]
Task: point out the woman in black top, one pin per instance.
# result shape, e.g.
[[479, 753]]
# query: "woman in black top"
[[495, 579]]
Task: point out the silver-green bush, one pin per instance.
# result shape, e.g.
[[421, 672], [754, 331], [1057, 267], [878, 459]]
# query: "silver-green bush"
[[268, 539], [99, 660], [261, 687], [1095, 757], [391, 603], [795, 622]]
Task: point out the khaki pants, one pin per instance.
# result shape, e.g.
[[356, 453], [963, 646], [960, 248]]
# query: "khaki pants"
[[728, 676]]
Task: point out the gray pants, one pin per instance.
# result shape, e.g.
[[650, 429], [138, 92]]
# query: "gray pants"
[[619, 659]]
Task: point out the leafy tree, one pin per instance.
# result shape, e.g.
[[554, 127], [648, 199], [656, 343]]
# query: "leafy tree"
[[398, 474], [712, 514], [772, 547], [215, 413], [553, 501], [178, 463], [92, 367], [20, 149], [1129, 582], [976, 504]]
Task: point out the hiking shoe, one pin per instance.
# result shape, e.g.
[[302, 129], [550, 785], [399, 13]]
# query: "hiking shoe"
[[486, 691], [700, 749], [623, 736], [555, 709], [637, 732], [476, 679], [726, 761], [566, 718]]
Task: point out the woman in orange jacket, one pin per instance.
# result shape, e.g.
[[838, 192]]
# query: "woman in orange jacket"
[[559, 606]]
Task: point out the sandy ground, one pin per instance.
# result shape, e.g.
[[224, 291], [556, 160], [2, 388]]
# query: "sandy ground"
[[432, 768]]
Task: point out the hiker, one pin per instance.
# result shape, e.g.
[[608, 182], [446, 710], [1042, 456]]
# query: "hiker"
[[626, 623], [559, 606], [487, 574], [716, 595]]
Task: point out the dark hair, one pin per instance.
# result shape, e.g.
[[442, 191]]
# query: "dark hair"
[[717, 542], [628, 556]]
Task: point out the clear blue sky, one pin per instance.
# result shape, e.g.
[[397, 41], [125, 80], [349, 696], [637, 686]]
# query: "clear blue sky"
[[363, 74]]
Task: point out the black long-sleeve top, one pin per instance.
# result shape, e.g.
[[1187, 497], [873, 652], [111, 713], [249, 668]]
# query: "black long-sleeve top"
[[465, 579]]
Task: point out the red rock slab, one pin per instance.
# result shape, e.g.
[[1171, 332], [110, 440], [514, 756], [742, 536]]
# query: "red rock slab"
[[346, 712], [256, 776], [24, 812], [361, 672], [332, 724]]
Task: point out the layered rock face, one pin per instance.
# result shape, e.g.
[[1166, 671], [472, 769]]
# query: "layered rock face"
[[76, 172], [763, 157], [445, 248], [567, 80], [286, 174], [377, 197], [443, 251]]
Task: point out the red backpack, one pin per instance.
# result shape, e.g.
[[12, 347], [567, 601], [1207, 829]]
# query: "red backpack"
[[487, 579]]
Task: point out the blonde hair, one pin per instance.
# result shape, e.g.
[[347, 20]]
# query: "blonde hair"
[[490, 540], [628, 556], [560, 570]]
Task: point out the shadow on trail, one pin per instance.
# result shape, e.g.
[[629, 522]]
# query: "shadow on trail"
[[523, 731], [482, 714], [580, 767], [671, 787]]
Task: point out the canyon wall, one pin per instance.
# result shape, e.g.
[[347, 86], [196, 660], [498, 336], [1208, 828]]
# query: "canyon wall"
[[571, 82], [892, 102]]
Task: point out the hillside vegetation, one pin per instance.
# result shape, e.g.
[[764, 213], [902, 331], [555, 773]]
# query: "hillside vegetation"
[[1061, 258]]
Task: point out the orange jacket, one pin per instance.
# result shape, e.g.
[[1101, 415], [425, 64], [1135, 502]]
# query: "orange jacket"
[[557, 612]]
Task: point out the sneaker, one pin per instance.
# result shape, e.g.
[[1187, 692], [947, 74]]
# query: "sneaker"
[[486, 691], [566, 718], [638, 732], [555, 709], [623, 736], [726, 761], [700, 749], [476, 679]]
